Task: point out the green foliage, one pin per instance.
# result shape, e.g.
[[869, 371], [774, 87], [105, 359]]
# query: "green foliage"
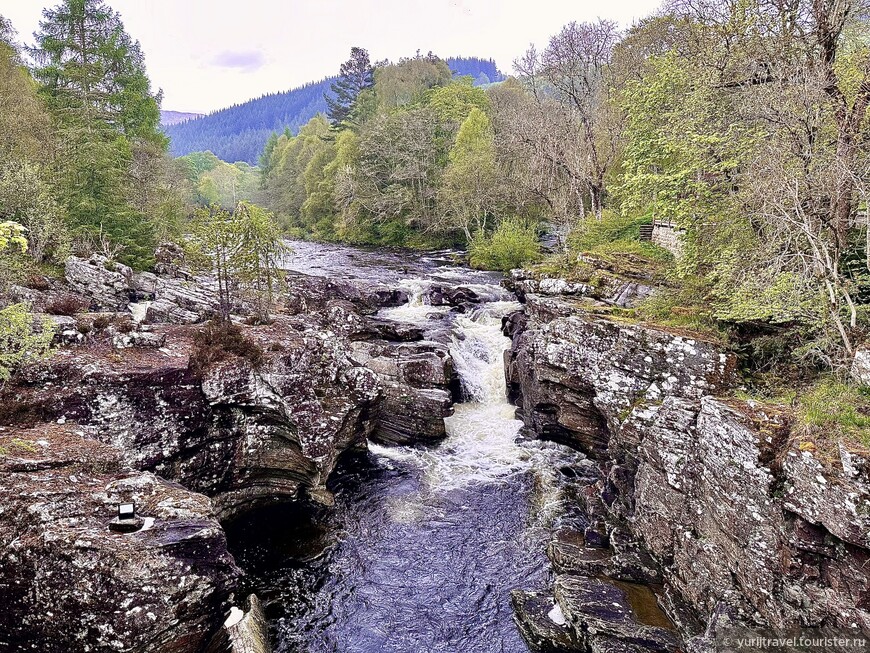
[[243, 249], [93, 81], [12, 236], [514, 243], [616, 239], [399, 84], [835, 410], [19, 344], [26, 198], [470, 180], [454, 102], [683, 306]]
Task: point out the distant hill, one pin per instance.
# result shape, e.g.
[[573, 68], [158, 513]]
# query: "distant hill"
[[175, 117], [239, 132]]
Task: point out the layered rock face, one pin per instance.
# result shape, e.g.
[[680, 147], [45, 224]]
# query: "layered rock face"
[[707, 496], [68, 583], [238, 434]]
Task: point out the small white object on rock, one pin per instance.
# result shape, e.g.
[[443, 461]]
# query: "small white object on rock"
[[235, 617], [557, 616]]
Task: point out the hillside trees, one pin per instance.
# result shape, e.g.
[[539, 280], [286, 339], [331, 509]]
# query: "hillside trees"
[[469, 188], [575, 70]]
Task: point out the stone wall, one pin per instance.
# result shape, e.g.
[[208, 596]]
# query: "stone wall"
[[669, 237]]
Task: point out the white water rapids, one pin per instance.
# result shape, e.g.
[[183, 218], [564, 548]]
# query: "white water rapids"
[[424, 544]]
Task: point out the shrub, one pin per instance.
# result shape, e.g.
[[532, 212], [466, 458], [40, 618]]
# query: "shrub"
[[513, 244], [125, 325], [19, 344], [217, 341], [66, 305]]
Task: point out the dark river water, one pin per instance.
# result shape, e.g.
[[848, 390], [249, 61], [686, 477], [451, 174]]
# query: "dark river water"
[[424, 545]]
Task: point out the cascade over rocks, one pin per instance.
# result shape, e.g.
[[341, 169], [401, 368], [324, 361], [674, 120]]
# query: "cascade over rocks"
[[707, 495]]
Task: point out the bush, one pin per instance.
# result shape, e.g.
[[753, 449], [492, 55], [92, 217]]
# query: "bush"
[[66, 305], [19, 344], [217, 341], [513, 244]]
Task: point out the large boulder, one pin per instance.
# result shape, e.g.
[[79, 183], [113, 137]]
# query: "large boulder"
[[107, 284], [68, 583], [417, 380]]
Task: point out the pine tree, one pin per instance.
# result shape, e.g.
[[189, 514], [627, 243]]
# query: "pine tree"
[[93, 79], [355, 75]]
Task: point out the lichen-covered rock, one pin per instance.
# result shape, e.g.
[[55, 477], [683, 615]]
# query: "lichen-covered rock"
[[305, 294], [734, 516], [108, 285], [607, 288], [69, 584], [603, 619], [182, 301], [241, 435], [575, 377]]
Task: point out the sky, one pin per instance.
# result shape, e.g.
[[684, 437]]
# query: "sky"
[[209, 54]]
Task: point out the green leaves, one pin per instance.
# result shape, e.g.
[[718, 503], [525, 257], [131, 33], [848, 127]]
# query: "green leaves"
[[19, 343]]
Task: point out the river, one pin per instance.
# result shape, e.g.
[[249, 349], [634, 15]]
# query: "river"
[[424, 544]]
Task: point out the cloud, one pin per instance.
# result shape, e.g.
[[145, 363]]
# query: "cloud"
[[245, 60]]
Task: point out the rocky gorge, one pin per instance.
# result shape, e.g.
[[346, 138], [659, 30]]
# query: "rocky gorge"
[[668, 509]]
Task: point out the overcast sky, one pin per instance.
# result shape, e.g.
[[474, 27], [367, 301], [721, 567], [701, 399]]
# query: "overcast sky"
[[208, 54]]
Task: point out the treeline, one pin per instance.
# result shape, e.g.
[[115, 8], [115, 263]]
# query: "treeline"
[[744, 123], [239, 132], [83, 163]]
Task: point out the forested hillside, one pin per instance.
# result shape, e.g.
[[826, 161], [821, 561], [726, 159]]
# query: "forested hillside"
[[239, 132]]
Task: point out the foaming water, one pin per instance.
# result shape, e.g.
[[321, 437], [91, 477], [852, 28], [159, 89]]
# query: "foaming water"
[[424, 545]]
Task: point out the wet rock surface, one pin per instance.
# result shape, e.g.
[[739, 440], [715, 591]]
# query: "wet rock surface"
[[708, 496], [332, 372]]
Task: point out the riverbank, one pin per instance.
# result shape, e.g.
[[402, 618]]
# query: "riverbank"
[[412, 458]]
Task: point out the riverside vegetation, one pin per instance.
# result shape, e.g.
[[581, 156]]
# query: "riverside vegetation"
[[741, 123]]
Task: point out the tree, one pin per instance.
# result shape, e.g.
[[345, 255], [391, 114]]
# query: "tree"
[[90, 68], [406, 82], [243, 250], [26, 199], [259, 255], [93, 80], [355, 76], [469, 184], [575, 68]]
